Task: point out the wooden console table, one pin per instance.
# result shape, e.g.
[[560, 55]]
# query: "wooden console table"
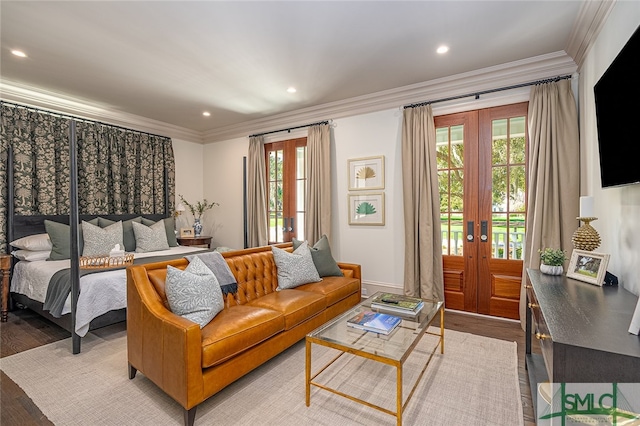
[[583, 332], [5, 274]]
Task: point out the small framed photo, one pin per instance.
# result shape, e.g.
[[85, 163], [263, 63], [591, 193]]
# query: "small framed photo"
[[186, 232], [366, 209], [366, 173], [588, 266]]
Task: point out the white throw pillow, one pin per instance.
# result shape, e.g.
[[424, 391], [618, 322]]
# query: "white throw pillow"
[[38, 242], [100, 241], [150, 238], [31, 255], [295, 268], [194, 293]]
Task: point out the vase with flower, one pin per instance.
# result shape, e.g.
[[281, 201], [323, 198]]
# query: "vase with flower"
[[197, 210]]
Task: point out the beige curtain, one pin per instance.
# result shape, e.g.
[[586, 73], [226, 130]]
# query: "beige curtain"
[[318, 199], [554, 174], [256, 198], [423, 239]]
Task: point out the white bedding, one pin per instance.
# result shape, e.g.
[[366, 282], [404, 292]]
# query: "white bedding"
[[100, 292]]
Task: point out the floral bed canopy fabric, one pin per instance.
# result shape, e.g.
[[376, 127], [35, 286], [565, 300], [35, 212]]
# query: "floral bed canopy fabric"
[[119, 170]]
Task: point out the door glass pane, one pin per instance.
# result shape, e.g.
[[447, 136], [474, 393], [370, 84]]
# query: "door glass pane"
[[516, 189], [301, 162], [499, 239], [517, 140], [450, 156], [457, 147], [443, 187], [300, 184], [499, 142], [516, 236], [299, 226], [442, 147], [499, 189], [457, 190]]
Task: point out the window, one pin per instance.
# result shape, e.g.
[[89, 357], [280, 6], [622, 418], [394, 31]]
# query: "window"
[[286, 163]]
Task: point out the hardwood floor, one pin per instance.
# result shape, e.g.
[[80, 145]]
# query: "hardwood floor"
[[25, 330]]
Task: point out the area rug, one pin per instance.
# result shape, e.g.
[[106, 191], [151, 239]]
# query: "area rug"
[[474, 382]]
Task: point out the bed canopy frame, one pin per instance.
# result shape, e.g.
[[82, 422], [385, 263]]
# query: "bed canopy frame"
[[23, 225]]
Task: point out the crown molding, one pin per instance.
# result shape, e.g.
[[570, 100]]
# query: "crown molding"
[[518, 72], [54, 102], [591, 18], [495, 77]]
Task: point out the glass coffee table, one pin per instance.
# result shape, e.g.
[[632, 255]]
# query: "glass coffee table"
[[396, 349]]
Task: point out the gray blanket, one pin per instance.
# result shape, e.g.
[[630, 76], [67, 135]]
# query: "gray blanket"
[[220, 269], [60, 284]]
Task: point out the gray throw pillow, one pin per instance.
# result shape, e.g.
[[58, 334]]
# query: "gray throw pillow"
[[295, 268], [100, 241], [170, 228], [128, 237], [194, 293], [150, 238], [59, 234], [322, 258]]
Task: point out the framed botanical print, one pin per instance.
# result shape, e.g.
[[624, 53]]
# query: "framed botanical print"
[[366, 173], [366, 209]]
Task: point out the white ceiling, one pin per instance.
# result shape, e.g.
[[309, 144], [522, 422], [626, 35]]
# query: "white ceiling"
[[172, 60]]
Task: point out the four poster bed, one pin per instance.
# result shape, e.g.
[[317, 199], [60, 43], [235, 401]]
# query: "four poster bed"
[[83, 299]]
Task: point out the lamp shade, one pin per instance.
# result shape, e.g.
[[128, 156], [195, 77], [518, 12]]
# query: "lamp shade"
[[180, 208]]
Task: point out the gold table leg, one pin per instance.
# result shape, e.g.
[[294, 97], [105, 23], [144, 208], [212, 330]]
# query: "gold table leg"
[[307, 372]]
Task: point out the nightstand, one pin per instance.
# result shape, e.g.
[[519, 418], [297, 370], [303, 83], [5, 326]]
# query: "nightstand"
[[195, 241], [5, 274]]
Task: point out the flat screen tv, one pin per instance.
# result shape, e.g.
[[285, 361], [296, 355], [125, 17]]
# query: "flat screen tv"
[[617, 99]]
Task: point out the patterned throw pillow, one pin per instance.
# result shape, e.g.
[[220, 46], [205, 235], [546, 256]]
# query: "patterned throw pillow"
[[295, 268], [150, 238], [194, 293], [99, 241], [322, 258]]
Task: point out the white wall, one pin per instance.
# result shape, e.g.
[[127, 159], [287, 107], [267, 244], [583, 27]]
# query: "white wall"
[[189, 177], [617, 209]]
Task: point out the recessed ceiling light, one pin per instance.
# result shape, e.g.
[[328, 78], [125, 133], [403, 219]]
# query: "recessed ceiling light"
[[19, 53], [206, 113], [291, 90], [442, 49]]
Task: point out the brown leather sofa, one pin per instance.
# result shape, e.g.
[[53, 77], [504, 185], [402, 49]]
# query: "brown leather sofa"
[[191, 364]]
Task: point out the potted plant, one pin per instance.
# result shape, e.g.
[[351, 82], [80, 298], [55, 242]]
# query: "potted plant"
[[551, 261], [197, 211]]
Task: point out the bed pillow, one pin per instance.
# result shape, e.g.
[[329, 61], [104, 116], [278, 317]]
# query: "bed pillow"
[[31, 255], [295, 268], [194, 293], [170, 228], [128, 237], [322, 258], [59, 234], [150, 238], [38, 242], [100, 241]]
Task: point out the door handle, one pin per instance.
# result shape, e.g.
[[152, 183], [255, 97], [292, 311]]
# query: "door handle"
[[284, 224], [483, 231], [470, 231]]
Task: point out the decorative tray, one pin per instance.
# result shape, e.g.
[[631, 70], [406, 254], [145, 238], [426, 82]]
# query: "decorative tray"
[[105, 261]]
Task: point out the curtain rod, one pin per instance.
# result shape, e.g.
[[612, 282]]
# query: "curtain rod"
[[76, 118], [289, 129], [484, 92]]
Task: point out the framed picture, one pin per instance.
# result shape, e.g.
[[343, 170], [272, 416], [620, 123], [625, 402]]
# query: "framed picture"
[[366, 209], [588, 266], [366, 173], [186, 232]]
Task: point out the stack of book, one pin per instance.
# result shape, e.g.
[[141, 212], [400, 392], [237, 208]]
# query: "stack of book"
[[397, 303], [375, 322]]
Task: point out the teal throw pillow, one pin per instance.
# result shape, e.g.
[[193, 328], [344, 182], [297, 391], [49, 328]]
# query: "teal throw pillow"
[[60, 236], [322, 258]]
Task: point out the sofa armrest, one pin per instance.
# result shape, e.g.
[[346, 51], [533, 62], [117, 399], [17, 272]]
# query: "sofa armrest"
[[165, 347], [350, 270]]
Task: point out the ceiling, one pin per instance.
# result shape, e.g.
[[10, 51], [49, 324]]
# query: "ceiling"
[[171, 60]]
